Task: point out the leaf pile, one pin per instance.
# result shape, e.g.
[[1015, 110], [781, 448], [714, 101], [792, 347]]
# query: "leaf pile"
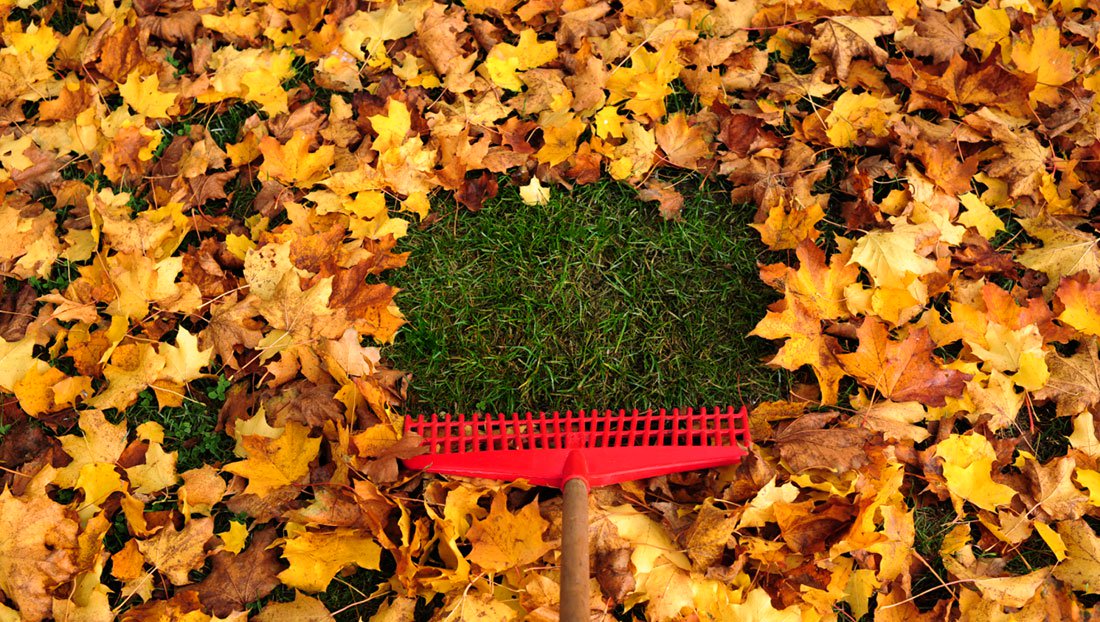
[[212, 189]]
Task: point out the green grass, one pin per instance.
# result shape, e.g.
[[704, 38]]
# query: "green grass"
[[189, 429], [590, 301], [931, 523]]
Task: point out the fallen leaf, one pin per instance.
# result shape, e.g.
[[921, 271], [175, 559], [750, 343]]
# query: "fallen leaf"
[[967, 467], [504, 540], [175, 553], [275, 463], [239, 579]]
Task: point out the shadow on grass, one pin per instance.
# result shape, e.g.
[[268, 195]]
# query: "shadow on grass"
[[590, 301]]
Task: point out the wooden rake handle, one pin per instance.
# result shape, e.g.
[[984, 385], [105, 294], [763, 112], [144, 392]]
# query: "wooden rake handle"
[[574, 552]]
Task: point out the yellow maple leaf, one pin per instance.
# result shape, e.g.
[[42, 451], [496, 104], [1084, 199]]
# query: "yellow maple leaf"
[[15, 361], [560, 139], [786, 226], [98, 481], [46, 389], [1065, 250], [233, 539], [254, 75], [1084, 437], [647, 81], [132, 368], [145, 97], [855, 114], [505, 59], [979, 216], [13, 152], [176, 552], [292, 163], [1090, 480], [363, 34], [184, 361], [994, 27], [1081, 567], [316, 556], [758, 606], [1052, 539], [889, 254], [796, 321], [967, 468], [505, 539], [274, 463], [535, 193], [38, 542], [102, 442], [1044, 55], [157, 473], [391, 127], [608, 123]]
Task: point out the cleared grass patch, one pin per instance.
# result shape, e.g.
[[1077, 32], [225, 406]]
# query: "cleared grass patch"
[[590, 301]]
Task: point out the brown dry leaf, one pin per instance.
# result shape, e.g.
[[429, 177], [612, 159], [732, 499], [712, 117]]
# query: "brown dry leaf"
[[43, 532], [1052, 489], [934, 35], [706, 539], [845, 38], [684, 144], [175, 553], [239, 579], [808, 527], [1074, 382], [669, 200], [806, 444]]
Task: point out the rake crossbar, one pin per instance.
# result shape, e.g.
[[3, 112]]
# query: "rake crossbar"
[[600, 447]]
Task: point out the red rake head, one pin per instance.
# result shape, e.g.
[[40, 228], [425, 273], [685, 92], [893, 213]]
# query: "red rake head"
[[602, 448]]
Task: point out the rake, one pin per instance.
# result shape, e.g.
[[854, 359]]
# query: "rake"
[[577, 450]]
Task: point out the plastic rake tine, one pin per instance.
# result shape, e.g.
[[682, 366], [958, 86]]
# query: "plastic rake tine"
[[575, 451]]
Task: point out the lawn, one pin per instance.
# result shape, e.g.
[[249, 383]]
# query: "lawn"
[[592, 300]]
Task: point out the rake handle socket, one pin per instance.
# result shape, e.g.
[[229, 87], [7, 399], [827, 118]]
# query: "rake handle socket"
[[574, 552]]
